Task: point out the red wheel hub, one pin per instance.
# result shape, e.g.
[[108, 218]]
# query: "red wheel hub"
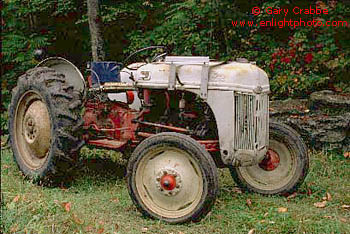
[[271, 161], [168, 182]]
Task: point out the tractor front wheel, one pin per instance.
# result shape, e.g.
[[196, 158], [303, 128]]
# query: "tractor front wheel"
[[284, 167], [172, 178]]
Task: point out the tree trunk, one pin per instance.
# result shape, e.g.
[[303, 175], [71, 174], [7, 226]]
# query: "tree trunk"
[[98, 53]]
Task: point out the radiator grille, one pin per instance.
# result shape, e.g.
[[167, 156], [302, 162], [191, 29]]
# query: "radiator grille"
[[251, 121]]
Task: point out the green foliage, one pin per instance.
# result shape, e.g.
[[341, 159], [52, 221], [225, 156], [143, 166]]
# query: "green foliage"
[[20, 38], [298, 60]]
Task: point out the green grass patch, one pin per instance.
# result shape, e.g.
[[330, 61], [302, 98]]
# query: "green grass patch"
[[97, 201]]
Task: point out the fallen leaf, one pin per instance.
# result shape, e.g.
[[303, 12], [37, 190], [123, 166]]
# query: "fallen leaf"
[[15, 199], [329, 196], [344, 220], [180, 232], [144, 229], [293, 195], [309, 191], [24, 198], [6, 166], [77, 220], [64, 189], [282, 209], [249, 202], [320, 204], [115, 200], [14, 228], [66, 206], [347, 154], [345, 206], [89, 228], [100, 231], [266, 214], [337, 89], [251, 231], [327, 217], [237, 190], [101, 222], [116, 226]]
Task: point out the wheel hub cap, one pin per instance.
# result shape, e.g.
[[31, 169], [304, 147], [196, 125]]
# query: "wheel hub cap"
[[36, 129], [168, 182], [271, 161]]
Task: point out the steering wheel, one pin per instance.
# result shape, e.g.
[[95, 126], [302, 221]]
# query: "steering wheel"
[[156, 57]]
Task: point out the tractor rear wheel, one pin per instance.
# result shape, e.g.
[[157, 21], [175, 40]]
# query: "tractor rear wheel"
[[45, 124], [284, 167], [172, 178]]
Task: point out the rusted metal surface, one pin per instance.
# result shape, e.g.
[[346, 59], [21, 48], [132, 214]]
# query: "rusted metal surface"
[[106, 143], [210, 145], [145, 134], [112, 119], [175, 129]]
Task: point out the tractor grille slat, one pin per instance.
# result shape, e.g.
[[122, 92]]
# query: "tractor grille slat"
[[251, 121]]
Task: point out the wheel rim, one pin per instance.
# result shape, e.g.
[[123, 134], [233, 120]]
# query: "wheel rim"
[[32, 130], [275, 171], [169, 182]]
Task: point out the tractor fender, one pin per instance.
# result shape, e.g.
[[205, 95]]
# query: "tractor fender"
[[71, 72]]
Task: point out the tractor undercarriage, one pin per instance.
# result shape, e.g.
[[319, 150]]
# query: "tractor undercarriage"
[[114, 125]]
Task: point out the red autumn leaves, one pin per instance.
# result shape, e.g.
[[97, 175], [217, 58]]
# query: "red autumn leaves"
[[294, 52], [308, 58]]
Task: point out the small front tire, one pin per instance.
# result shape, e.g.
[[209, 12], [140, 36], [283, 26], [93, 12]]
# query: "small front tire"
[[171, 177], [284, 167]]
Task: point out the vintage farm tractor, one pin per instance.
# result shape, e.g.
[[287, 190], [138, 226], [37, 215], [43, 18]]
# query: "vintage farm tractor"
[[183, 117]]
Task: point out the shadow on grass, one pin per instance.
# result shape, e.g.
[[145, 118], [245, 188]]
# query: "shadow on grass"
[[101, 167], [96, 171]]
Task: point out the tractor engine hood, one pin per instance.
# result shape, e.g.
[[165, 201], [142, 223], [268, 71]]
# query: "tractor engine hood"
[[237, 76]]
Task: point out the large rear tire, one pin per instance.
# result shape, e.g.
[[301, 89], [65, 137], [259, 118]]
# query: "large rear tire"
[[284, 167], [45, 125], [173, 178]]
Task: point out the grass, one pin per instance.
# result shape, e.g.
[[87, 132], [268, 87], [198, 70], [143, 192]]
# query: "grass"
[[98, 202]]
